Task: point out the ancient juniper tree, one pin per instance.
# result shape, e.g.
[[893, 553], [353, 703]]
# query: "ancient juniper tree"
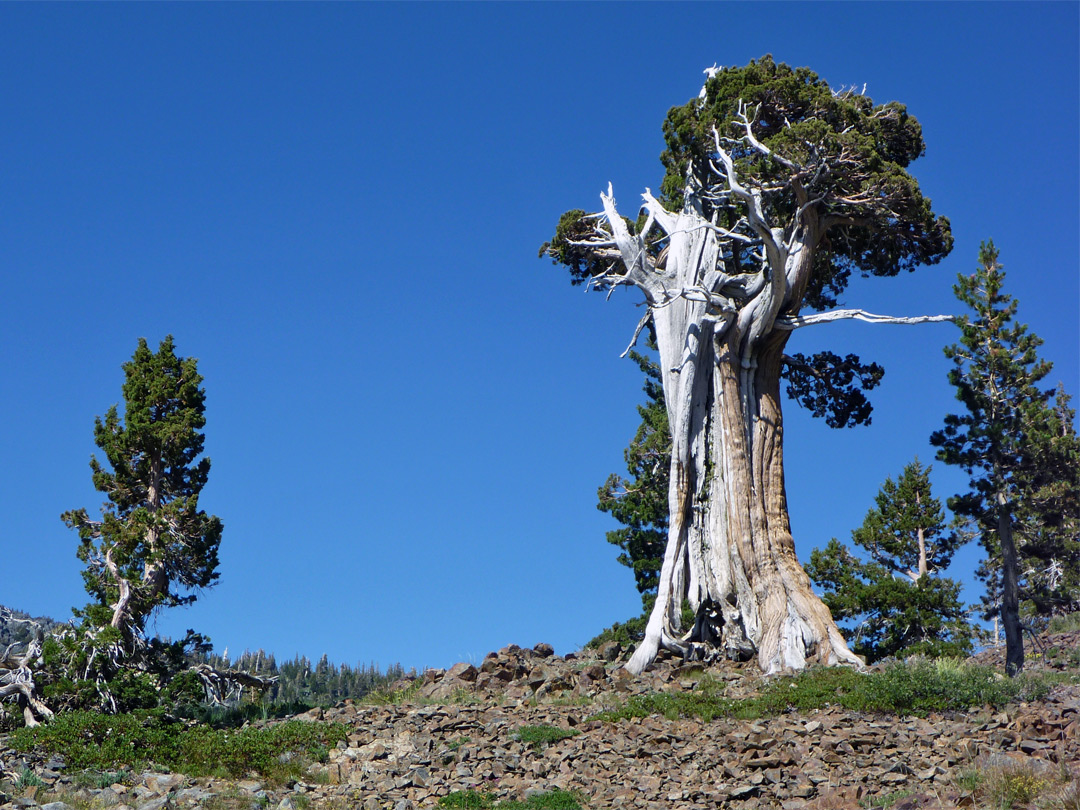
[[777, 189], [153, 546]]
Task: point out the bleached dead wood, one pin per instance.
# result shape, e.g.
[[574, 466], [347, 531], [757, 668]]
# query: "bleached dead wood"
[[17, 675], [222, 685]]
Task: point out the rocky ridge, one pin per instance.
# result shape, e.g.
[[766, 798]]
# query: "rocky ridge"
[[458, 729]]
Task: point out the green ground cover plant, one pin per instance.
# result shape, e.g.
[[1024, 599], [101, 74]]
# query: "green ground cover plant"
[[542, 736], [101, 779], [28, 779], [910, 688], [98, 742]]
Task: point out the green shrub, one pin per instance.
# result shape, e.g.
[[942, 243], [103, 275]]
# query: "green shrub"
[[924, 686], [204, 751], [625, 633], [92, 741]]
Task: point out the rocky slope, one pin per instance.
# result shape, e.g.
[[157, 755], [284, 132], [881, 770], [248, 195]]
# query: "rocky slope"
[[459, 729]]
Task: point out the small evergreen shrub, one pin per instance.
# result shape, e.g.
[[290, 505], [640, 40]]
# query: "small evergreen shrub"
[[625, 633]]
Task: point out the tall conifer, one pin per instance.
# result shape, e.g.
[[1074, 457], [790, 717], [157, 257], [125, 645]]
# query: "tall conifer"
[[1005, 439], [153, 546]]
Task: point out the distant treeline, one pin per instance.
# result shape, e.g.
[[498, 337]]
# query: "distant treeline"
[[298, 681]]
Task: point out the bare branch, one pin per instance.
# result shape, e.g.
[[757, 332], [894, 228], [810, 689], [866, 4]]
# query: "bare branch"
[[637, 332], [790, 323], [754, 142]]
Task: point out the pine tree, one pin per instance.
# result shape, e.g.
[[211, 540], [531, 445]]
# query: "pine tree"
[[639, 502], [153, 546], [897, 600], [1015, 443]]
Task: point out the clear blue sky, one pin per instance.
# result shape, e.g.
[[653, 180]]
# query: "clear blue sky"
[[337, 209]]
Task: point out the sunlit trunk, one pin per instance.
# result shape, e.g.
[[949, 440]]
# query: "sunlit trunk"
[[730, 553]]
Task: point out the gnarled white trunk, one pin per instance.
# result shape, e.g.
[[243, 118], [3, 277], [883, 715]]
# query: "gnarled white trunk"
[[17, 678], [730, 553]]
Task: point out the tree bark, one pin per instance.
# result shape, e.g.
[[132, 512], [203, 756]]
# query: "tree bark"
[[1010, 590], [730, 551], [130, 608], [920, 534]]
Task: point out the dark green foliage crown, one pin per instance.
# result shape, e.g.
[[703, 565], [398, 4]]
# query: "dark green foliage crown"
[[157, 443]]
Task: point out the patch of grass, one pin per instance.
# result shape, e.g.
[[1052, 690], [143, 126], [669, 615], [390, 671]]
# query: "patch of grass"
[[1011, 787], [1064, 624], [1064, 798], [229, 800], [552, 800], [888, 800], [910, 688], [968, 780], [464, 697], [393, 697], [92, 741], [474, 800], [541, 736], [467, 800], [570, 700]]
